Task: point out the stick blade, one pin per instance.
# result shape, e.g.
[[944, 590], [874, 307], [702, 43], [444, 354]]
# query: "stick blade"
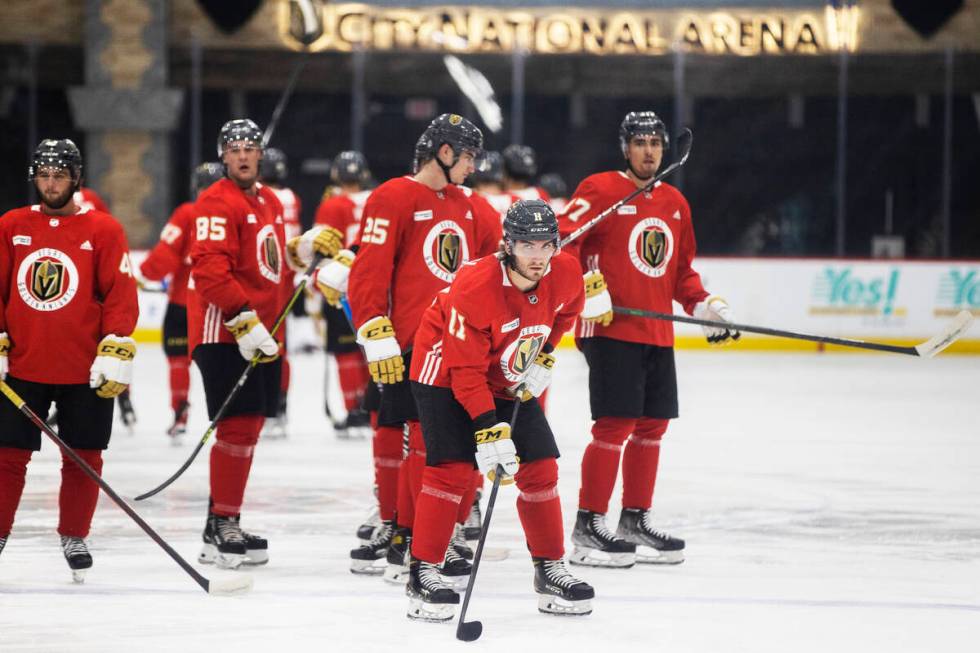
[[953, 332], [469, 631], [232, 586]]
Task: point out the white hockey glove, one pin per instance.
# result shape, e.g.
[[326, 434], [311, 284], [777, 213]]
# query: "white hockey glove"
[[716, 309], [4, 352], [112, 370], [538, 376], [598, 303], [381, 350], [331, 277], [494, 447], [325, 241], [252, 336]]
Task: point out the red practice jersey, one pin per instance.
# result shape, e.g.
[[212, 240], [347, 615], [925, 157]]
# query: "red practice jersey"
[[65, 283], [500, 201], [413, 241], [291, 210], [343, 212], [172, 255], [481, 335], [236, 260], [489, 220], [530, 193], [86, 198], [644, 250]]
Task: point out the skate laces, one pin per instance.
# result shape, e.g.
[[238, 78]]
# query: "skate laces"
[[598, 524], [458, 537], [228, 530], [72, 546], [646, 523], [474, 518], [556, 573], [429, 576], [381, 535], [451, 555]]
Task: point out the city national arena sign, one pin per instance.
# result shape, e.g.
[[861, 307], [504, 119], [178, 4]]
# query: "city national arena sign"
[[472, 29]]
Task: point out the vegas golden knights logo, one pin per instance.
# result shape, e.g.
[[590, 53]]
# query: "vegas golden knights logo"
[[47, 280], [654, 245], [271, 253], [526, 352], [449, 252]]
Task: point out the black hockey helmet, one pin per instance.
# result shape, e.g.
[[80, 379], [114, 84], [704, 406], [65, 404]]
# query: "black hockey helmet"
[[241, 129], [553, 184], [448, 129], [530, 220], [489, 168], [640, 123], [520, 162], [272, 167], [57, 153], [350, 167], [206, 174]]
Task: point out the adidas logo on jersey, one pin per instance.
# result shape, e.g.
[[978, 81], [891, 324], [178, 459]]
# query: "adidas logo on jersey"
[[677, 215], [86, 245]]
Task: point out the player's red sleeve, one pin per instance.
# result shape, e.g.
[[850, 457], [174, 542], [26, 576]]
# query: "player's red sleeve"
[[331, 213], [466, 348], [581, 208], [166, 257], [688, 289], [95, 200], [370, 276], [569, 312], [488, 228], [6, 263], [114, 281], [214, 253]]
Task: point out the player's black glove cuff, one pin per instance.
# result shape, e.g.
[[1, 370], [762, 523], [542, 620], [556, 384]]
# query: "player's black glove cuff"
[[485, 420]]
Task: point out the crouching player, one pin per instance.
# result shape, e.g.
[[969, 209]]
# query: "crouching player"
[[489, 334]]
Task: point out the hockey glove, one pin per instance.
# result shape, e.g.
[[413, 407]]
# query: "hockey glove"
[[716, 309], [494, 447], [252, 336], [112, 369], [598, 303], [331, 277], [381, 350], [538, 376], [325, 241], [4, 352]]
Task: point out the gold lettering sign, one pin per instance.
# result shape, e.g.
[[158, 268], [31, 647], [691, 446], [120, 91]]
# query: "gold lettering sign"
[[345, 27]]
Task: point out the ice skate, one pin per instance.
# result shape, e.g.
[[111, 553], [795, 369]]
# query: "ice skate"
[[256, 549], [126, 412], [77, 555], [396, 572], [474, 521], [224, 543], [558, 591], [371, 558], [597, 546], [429, 597], [455, 569], [274, 428], [366, 531], [459, 543], [3, 542], [356, 426], [179, 427], [652, 546]]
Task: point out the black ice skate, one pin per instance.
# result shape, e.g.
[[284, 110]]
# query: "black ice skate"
[[3, 543], [429, 598], [396, 572], [455, 569], [224, 543], [459, 543], [126, 412], [356, 426], [558, 591], [274, 428], [365, 532], [652, 546], [597, 546], [256, 549], [77, 555], [371, 558], [474, 521], [179, 427]]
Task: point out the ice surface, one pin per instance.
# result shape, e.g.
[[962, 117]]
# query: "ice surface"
[[829, 503]]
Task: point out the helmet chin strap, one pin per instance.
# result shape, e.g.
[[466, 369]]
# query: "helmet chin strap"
[[445, 169]]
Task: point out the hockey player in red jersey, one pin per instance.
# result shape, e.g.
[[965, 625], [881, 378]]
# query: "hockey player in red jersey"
[[488, 181], [87, 198], [171, 258], [643, 253], [520, 171], [234, 299], [486, 339], [68, 308]]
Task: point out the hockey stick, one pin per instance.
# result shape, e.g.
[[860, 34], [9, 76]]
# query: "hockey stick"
[[950, 334], [238, 386], [684, 142], [237, 585], [469, 631], [284, 99]]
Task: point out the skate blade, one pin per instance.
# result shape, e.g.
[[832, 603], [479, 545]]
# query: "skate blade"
[[396, 574], [368, 567], [78, 576], [648, 555], [587, 557], [419, 610], [549, 604]]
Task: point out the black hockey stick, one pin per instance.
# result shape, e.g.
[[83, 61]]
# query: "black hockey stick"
[[236, 585], [684, 142], [238, 385], [950, 334], [469, 631], [284, 99]]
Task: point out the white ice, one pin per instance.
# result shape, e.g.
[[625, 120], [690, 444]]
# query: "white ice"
[[829, 503]]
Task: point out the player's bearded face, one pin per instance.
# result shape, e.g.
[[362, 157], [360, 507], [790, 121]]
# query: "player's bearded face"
[[55, 186], [645, 153], [242, 160], [531, 258]]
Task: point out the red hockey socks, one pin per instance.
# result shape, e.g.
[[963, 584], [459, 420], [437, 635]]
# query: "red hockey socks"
[[438, 502], [539, 508], [180, 380], [467, 503], [354, 377], [231, 461], [600, 463], [640, 462], [387, 446], [13, 471], [410, 475], [79, 493]]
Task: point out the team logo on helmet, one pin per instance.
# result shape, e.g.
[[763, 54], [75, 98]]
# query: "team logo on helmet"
[[267, 252], [445, 250], [47, 280], [651, 246], [516, 359], [455, 119]]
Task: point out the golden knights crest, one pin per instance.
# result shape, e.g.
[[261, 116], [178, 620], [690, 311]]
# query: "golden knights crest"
[[449, 251], [651, 246], [445, 250], [268, 253], [654, 244], [47, 279], [516, 359]]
